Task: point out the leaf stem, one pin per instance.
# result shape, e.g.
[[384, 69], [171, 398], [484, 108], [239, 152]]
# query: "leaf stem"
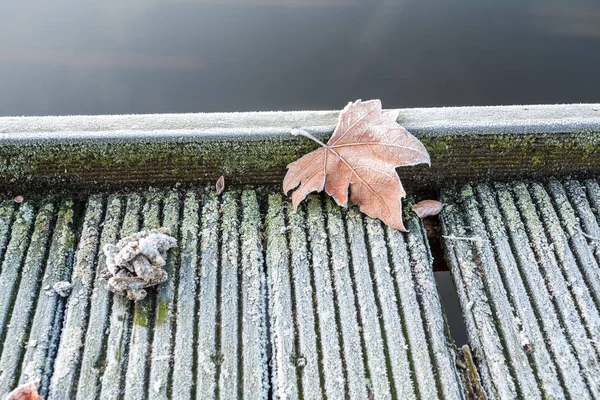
[[300, 132]]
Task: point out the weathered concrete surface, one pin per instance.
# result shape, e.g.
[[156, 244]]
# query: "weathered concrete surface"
[[524, 258], [254, 148]]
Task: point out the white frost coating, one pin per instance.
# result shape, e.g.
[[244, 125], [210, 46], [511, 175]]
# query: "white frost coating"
[[579, 290], [186, 298], [471, 328], [207, 312], [254, 331], [7, 213], [369, 314], [495, 291], [117, 351], [164, 330], [328, 329], [531, 333], [15, 254], [411, 314], [593, 193], [559, 290], [28, 290], [280, 304], [392, 324], [422, 270], [70, 350], [303, 295], [230, 370], [95, 336], [33, 365], [581, 229], [153, 248], [352, 348], [466, 272], [137, 262], [556, 337], [487, 120]]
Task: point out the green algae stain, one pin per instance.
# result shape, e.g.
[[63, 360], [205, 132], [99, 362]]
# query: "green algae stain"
[[162, 310], [141, 317]]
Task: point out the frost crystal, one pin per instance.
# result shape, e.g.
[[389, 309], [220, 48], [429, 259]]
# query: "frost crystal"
[[137, 262]]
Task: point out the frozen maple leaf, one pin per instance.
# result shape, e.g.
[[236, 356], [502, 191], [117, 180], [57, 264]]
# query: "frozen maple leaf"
[[427, 208], [25, 392], [361, 156], [220, 186]]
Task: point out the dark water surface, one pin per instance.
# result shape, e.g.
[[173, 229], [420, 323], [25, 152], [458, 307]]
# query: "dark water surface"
[[107, 57], [73, 57]]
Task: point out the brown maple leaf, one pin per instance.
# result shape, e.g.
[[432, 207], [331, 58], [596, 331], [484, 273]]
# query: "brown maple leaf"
[[25, 392], [361, 155], [427, 208], [220, 186]]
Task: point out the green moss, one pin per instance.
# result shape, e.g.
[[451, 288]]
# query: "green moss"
[[537, 159], [506, 143], [437, 145], [141, 316], [162, 309]]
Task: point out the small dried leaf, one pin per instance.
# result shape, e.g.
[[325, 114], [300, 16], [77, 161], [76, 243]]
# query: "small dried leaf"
[[220, 186], [18, 199], [361, 158], [427, 208], [25, 392]]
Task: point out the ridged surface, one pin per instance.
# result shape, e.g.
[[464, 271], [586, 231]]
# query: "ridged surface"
[[261, 300], [379, 286], [524, 257]]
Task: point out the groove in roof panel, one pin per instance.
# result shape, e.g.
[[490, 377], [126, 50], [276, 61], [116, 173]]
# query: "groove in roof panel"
[[467, 273], [329, 349], [17, 333], [13, 261], [443, 357], [230, 373], [207, 356], [117, 351], [253, 297], [50, 305], [348, 317], [141, 331], [164, 330], [418, 348], [508, 324], [307, 359], [186, 297], [380, 384], [559, 290], [556, 336], [93, 359], [396, 346], [517, 293], [66, 368], [285, 354]]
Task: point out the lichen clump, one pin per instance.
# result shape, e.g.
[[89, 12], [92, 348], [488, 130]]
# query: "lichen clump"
[[137, 262]]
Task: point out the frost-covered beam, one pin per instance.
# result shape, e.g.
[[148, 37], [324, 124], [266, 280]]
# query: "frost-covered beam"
[[255, 148]]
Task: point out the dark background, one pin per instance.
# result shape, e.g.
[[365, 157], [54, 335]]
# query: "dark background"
[[151, 56], [114, 57]]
